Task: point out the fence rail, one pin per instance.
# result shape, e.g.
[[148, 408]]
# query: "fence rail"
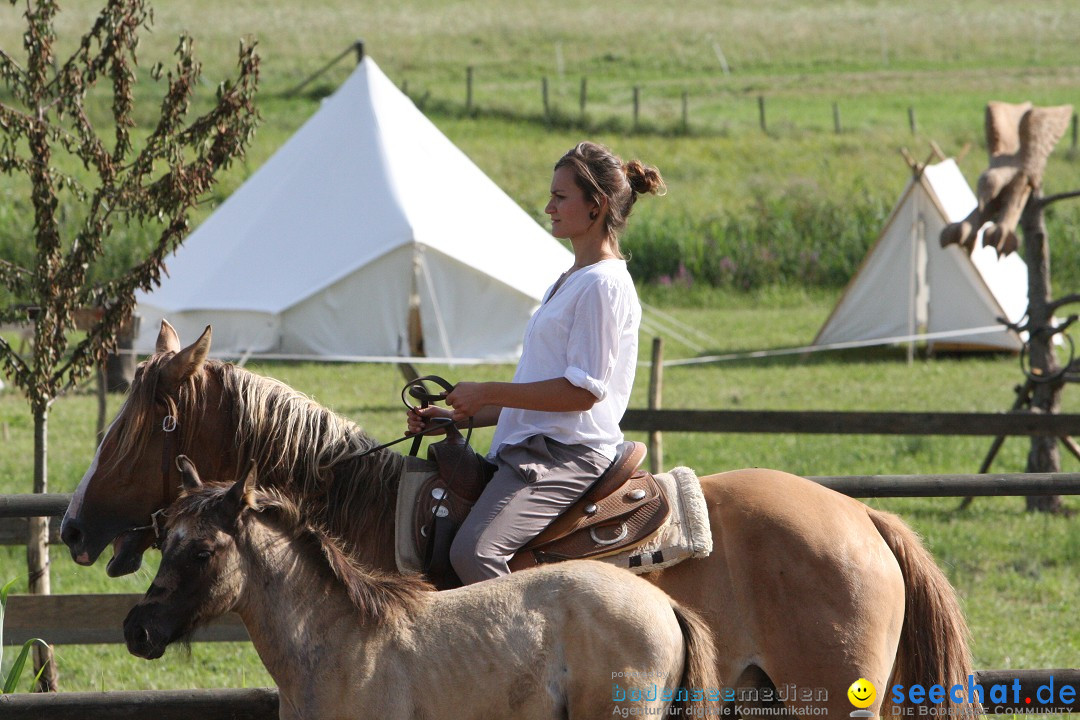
[[850, 423], [93, 619], [246, 704]]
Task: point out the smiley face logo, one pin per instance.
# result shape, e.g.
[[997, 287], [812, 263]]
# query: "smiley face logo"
[[862, 693]]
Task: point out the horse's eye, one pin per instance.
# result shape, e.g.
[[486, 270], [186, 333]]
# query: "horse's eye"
[[201, 555]]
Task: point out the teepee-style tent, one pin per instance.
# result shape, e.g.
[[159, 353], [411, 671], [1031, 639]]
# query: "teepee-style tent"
[[908, 284], [366, 221]]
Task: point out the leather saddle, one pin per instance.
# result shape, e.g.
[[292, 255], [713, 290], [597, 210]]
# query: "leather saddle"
[[623, 508]]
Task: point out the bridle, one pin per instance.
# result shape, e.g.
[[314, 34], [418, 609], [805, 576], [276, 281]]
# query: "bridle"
[[169, 454]]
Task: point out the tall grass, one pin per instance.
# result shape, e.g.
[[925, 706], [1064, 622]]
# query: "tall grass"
[[791, 240]]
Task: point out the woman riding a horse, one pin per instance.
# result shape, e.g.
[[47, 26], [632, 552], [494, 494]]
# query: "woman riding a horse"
[[557, 423]]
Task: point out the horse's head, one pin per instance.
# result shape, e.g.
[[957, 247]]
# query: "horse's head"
[[132, 475], [200, 576]]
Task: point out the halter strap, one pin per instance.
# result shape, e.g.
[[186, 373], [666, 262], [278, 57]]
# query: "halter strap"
[[169, 426]]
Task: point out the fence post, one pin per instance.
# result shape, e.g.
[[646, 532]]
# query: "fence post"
[[637, 105], [656, 381], [468, 88], [1072, 150], [761, 113], [544, 92], [911, 120], [584, 96]]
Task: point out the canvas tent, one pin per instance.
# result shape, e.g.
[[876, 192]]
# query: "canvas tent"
[[368, 207], [908, 284]]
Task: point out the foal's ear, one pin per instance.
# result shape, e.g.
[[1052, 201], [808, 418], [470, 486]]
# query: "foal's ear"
[[188, 474], [242, 493], [185, 363], [167, 339]]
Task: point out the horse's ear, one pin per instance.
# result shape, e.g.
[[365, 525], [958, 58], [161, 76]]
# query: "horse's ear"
[[188, 474], [242, 493], [185, 363], [167, 339]]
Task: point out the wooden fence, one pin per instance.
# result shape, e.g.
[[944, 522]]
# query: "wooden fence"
[[86, 619]]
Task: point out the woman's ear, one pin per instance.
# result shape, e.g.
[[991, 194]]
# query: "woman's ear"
[[600, 209]]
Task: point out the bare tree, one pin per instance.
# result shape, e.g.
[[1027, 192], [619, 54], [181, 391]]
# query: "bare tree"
[[148, 178]]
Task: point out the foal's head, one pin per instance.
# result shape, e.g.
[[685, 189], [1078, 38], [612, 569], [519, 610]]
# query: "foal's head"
[[200, 576], [211, 534]]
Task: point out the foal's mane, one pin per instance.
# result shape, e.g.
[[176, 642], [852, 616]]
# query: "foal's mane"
[[378, 596], [297, 444]]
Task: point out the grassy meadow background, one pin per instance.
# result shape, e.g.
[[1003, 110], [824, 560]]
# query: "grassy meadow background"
[[792, 210]]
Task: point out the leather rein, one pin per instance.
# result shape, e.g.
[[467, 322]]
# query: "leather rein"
[[418, 389]]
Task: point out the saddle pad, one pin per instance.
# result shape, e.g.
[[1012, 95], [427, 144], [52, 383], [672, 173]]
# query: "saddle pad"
[[686, 534]]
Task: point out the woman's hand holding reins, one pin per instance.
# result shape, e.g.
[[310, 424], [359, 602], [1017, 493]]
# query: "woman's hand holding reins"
[[418, 419], [467, 399]]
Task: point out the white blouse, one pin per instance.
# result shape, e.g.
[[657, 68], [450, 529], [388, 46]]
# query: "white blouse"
[[587, 332]]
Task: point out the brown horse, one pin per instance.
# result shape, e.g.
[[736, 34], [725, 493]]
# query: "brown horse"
[[344, 642], [806, 590]]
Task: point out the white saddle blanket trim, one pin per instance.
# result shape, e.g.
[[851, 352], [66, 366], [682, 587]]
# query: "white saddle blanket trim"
[[686, 534]]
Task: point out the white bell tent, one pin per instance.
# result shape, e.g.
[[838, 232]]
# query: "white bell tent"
[[367, 218], [909, 285]]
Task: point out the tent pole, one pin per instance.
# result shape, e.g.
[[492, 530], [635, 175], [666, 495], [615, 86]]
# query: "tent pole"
[[444, 337], [357, 47], [913, 278]]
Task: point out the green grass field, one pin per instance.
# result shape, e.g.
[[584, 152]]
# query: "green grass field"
[[1014, 570]]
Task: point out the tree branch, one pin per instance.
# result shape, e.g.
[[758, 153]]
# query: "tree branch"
[[14, 365], [12, 73], [1043, 202], [1052, 306], [14, 277]]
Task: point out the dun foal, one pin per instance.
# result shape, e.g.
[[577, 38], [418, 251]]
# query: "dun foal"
[[573, 640]]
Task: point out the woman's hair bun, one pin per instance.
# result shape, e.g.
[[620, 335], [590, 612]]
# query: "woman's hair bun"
[[644, 178]]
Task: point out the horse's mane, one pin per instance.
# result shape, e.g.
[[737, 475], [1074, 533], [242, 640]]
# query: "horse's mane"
[[309, 451], [378, 596], [297, 444]]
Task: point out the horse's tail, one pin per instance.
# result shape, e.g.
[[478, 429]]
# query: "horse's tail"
[[934, 638], [700, 680]]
